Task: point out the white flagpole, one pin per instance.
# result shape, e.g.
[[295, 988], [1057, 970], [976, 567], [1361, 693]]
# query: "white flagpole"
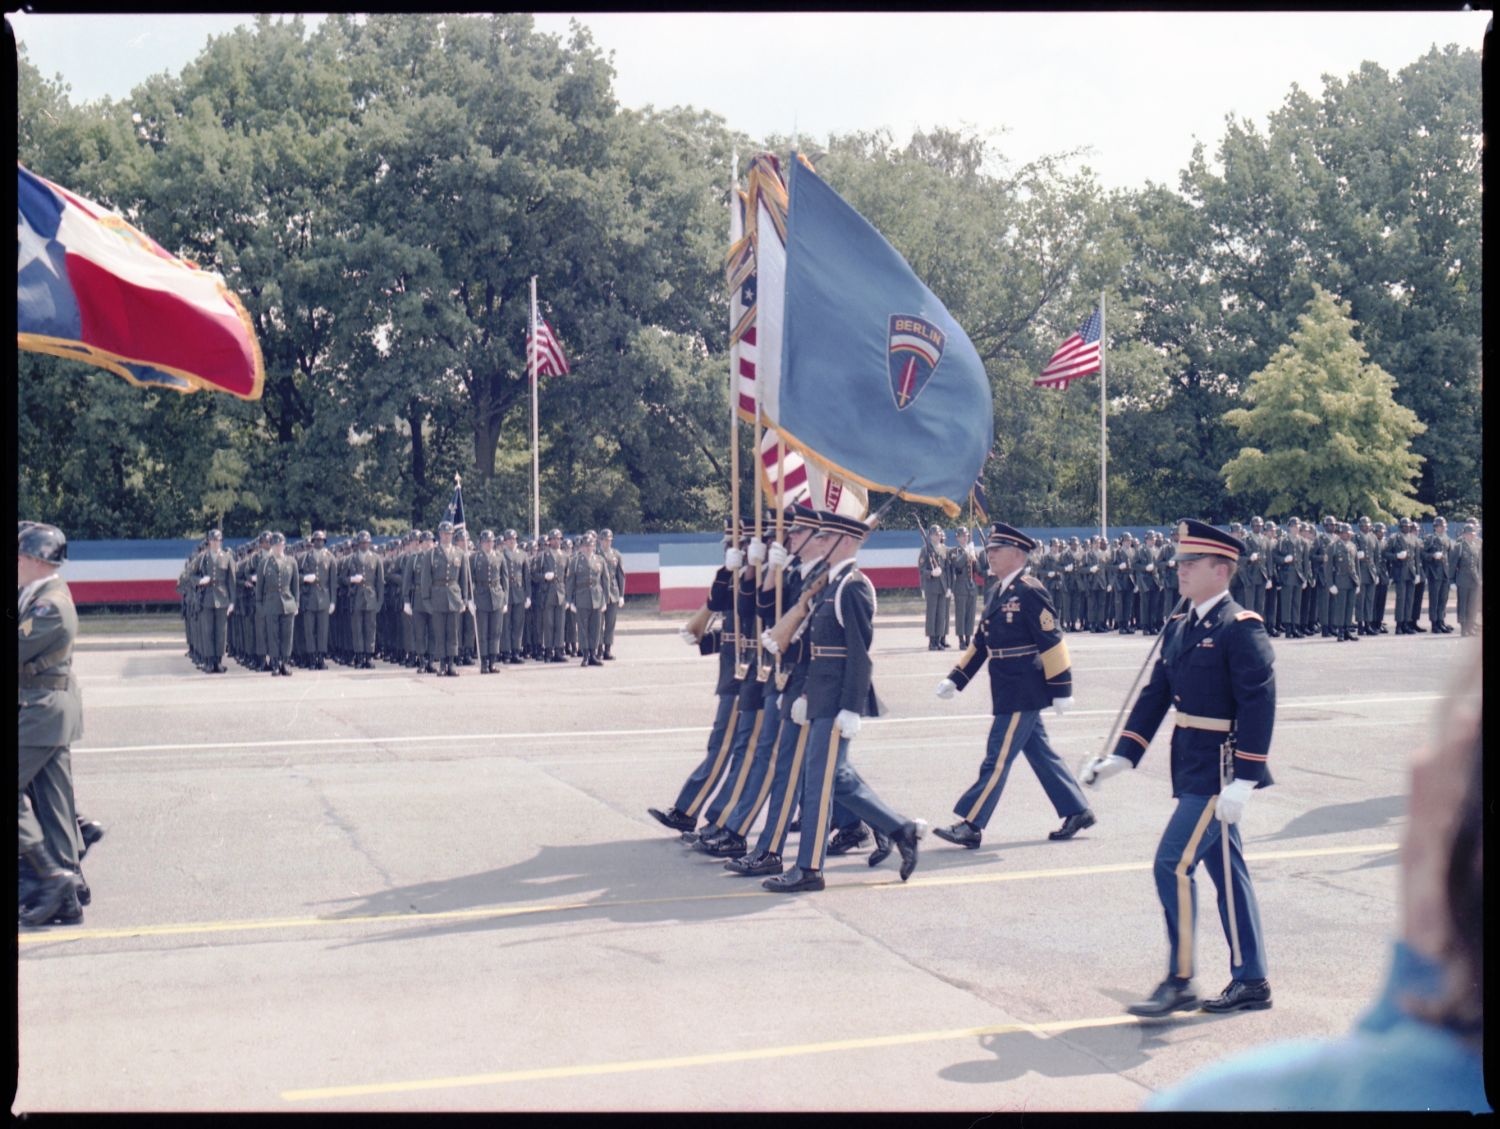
[[536, 472], [1103, 442]]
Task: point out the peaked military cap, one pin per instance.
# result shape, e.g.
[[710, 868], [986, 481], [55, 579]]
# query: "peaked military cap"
[[829, 522], [1197, 539], [1002, 536], [804, 517]]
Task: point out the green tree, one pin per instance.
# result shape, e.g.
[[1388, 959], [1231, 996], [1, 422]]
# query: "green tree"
[[1324, 431]]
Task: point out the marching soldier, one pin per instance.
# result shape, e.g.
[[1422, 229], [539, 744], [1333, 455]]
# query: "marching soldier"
[[366, 580], [1437, 563], [1021, 645], [518, 598], [838, 692], [1468, 576], [216, 584], [933, 578], [490, 601], [1400, 566], [318, 600], [278, 589], [960, 578], [614, 571], [448, 589], [1216, 668], [586, 587], [50, 719]]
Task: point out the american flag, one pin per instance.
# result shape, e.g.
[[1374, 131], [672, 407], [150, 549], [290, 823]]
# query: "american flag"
[[1075, 357], [549, 355]]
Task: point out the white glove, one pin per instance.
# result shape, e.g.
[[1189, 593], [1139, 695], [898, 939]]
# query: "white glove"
[[1333, 589], [1232, 799], [733, 558], [799, 710], [1061, 706], [1150, 568], [572, 608], [357, 578], [1123, 566], [1286, 560], [549, 576], [778, 556], [770, 644], [205, 581], [1100, 769], [848, 723], [946, 689], [309, 578], [528, 601], [1269, 585], [253, 579], [1435, 556], [621, 601], [686, 636], [1093, 568], [1109, 587], [1360, 555], [406, 608], [1067, 568], [1172, 563], [1401, 556], [1255, 556], [757, 552], [470, 605], [778, 702], [229, 610], [936, 572], [332, 607]]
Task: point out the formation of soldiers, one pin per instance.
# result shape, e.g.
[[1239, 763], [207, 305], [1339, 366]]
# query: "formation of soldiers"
[[1334, 580], [429, 601]]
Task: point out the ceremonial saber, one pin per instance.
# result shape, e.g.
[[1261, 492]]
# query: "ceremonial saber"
[[1226, 777], [1130, 694]]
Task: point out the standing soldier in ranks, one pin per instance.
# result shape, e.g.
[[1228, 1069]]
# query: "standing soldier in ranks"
[[518, 599], [448, 588], [187, 596], [1259, 577], [468, 628], [414, 586], [1166, 568], [838, 692], [1311, 578], [1382, 584], [1216, 668], [1074, 585], [1367, 557], [587, 585], [986, 579], [292, 552], [216, 583], [960, 577], [1019, 642], [365, 576], [570, 618], [1414, 542], [319, 599], [1321, 575], [1343, 584], [1122, 578], [1290, 555], [1096, 581], [49, 719], [932, 575], [534, 614], [1468, 577], [1437, 564], [551, 569], [1400, 566], [722, 599], [1237, 581], [1269, 537], [278, 589], [258, 557], [1143, 577], [614, 571], [490, 600], [1052, 577]]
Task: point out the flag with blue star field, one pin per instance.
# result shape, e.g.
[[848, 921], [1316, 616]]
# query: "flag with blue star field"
[[91, 288], [879, 383]]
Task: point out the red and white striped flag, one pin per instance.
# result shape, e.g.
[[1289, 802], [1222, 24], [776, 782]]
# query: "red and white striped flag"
[[1077, 356], [549, 355]]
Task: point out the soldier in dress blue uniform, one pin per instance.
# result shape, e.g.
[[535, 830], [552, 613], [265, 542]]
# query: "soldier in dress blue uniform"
[[1020, 641], [1216, 671], [838, 692]]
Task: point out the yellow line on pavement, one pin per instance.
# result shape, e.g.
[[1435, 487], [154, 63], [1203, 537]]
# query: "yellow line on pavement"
[[63, 933], [752, 1055]]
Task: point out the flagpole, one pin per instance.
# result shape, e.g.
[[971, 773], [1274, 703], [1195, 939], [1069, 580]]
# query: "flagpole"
[[536, 473], [1103, 440], [740, 666]]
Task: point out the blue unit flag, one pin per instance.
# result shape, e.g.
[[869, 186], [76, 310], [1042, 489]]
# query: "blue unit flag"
[[879, 384]]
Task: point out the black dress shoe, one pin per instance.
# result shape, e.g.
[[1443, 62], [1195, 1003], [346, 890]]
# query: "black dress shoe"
[[794, 827], [90, 831], [883, 846], [1073, 824], [707, 838], [50, 895], [844, 840], [673, 818], [905, 838], [962, 833], [728, 846], [765, 863], [1241, 995], [1171, 995], [794, 881]]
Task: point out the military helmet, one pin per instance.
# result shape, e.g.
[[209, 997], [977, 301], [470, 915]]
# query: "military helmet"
[[1405, 523], [487, 535], [1364, 520], [42, 542], [1235, 527], [363, 538], [1329, 519], [1257, 520], [608, 534], [1379, 527], [425, 535], [318, 537], [935, 528], [510, 535], [554, 535], [277, 538], [1439, 520], [589, 538], [215, 535], [445, 527]]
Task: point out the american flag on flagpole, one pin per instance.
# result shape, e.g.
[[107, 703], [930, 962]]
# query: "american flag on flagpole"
[[1077, 356], [549, 355]]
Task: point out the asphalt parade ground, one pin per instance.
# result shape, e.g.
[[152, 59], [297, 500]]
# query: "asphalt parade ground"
[[374, 890]]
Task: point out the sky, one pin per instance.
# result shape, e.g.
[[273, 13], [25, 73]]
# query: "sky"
[[1135, 89]]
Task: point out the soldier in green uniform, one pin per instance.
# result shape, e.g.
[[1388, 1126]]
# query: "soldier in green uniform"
[[1096, 582], [1322, 572], [415, 586], [551, 568], [1367, 559], [1258, 577], [1437, 565], [278, 589], [1343, 584], [216, 587], [614, 572], [1414, 541], [960, 578], [932, 576], [366, 581], [318, 600], [1289, 555], [50, 719], [468, 627], [518, 598], [586, 598], [1122, 580], [1382, 583], [1468, 577], [490, 601], [1166, 565], [1401, 566], [448, 586], [1147, 584]]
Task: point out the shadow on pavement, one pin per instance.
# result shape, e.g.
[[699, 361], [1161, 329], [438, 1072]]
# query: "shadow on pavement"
[[1361, 815]]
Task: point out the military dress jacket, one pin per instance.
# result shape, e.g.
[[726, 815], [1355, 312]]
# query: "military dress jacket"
[[738, 622], [365, 573], [517, 576], [841, 625], [488, 569], [550, 593], [1468, 563], [792, 661], [49, 700], [1437, 557], [448, 580], [1367, 567], [219, 592], [1019, 637], [318, 594], [614, 571], [1147, 569], [1343, 566], [960, 569], [278, 586], [1397, 567], [929, 558], [587, 582], [1218, 675]]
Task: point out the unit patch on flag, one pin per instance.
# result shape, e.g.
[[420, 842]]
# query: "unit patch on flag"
[[915, 347]]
